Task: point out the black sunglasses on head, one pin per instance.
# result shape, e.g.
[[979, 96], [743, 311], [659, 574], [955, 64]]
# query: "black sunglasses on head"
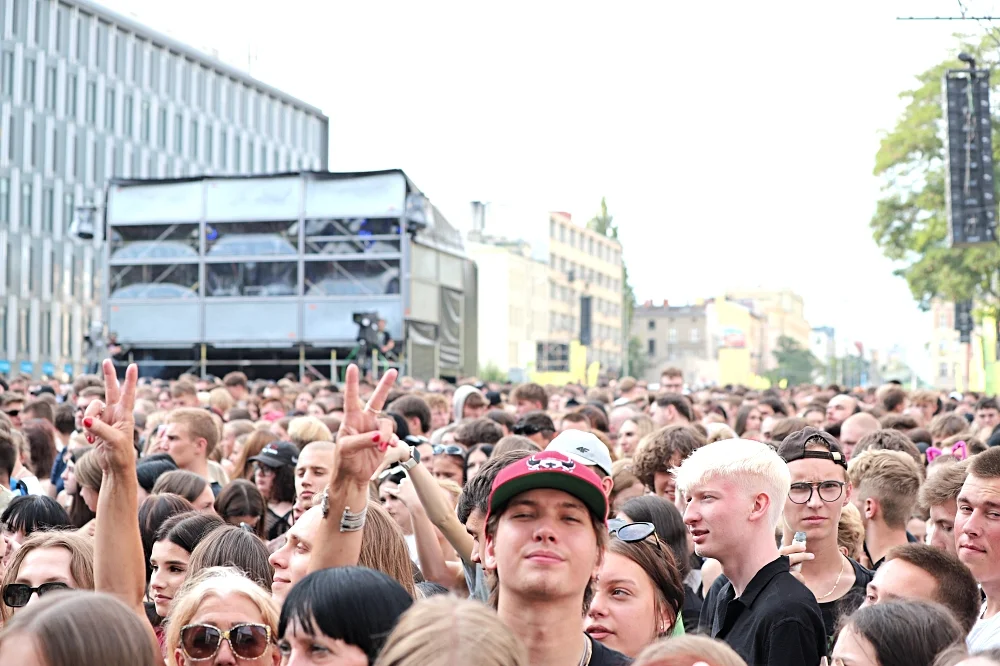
[[527, 429], [632, 532], [17, 595]]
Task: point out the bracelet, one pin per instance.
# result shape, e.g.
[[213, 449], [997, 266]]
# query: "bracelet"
[[352, 522]]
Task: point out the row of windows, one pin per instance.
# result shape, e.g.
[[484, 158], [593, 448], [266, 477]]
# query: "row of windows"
[[46, 272], [100, 46], [54, 214], [569, 295], [54, 339], [579, 272], [582, 241]]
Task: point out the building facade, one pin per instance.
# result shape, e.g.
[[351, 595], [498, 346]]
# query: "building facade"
[[676, 336], [784, 312], [87, 95], [948, 356]]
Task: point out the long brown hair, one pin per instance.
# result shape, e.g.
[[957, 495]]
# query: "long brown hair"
[[383, 547], [254, 444], [657, 560], [81, 565]]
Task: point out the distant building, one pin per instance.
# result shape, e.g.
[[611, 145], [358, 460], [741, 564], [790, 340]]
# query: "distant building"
[[783, 311], [823, 345], [947, 354], [676, 336], [87, 95]]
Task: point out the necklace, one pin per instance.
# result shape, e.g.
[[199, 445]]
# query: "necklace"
[[843, 565], [585, 657]]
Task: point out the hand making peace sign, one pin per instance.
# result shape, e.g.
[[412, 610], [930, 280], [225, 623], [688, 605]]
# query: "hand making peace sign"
[[364, 432], [110, 426]]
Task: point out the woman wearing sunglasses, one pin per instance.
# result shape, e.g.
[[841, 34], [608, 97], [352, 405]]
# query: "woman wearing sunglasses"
[[638, 592], [222, 617], [449, 463], [46, 562]]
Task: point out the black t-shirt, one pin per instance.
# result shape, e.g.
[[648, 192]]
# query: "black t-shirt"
[[605, 656], [775, 622]]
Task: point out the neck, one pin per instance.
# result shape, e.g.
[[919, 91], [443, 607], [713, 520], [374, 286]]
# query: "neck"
[[199, 467], [743, 565], [826, 554], [880, 538], [992, 590], [4, 480], [552, 631]]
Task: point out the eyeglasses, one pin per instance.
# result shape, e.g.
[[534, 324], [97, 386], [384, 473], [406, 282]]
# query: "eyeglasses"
[[829, 491], [450, 450], [632, 532], [12, 412], [201, 642], [17, 595], [528, 429]]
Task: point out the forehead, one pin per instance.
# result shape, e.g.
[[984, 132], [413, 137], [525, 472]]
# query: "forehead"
[[305, 527], [904, 579], [177, 428], [45, 563], [227, 609], [715, 484], [979, 488], [546, 497], [314, 455], [816, 469]]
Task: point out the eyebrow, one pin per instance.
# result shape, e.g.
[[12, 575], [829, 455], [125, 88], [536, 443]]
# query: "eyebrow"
[[988, 504], [620, 581]]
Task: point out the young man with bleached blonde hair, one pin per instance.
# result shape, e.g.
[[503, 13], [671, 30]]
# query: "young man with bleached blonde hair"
[[736, 491]]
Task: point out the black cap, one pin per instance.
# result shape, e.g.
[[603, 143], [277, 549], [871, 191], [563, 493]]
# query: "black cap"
[[794, 446], [278, 454]]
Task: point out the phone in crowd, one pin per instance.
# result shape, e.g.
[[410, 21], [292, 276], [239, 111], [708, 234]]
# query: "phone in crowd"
[[800, 537]]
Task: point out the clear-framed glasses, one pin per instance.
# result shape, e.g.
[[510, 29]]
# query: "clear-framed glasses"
[[829, 491]]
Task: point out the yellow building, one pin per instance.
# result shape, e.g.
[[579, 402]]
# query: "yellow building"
[[784, 315]]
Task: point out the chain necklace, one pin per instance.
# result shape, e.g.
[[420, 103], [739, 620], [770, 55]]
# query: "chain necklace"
[[843, 566]]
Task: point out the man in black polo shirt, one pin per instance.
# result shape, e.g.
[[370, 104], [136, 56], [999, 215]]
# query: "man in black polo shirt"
[[736, 491]]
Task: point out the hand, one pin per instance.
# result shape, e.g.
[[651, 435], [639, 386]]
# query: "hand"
[[407, 494], [8, 549], [393, 456], [110, 427], [360, 418], [796, 553], [363, 437]]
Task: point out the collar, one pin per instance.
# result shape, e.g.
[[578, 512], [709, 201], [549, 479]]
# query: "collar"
[[762, 578]]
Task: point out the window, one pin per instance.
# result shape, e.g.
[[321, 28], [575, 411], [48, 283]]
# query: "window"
[[82, 38], [7, 74], [144, 123], [652, 348], [45, 323], [62, 29], [11, 138], [50, 88], [672, 335], [161, 128], [120, 44], [137, 61], [39, 22], [102, 44], [109, 110], [29, 81], [943, 370], [48, 210], [91, 102], [27, 195], [22, 330], [127, 116], [16, 18], [695, 335], [64, 338], [171, 76], [154, 69], [33, 155], [651, 325], [53, 152], [178, 133], [224, 148], [209, 145], [71, 82], [80, 156], [237, 156], [194, 140], [4, 201], [185, 66], [69, 210], [250, 156]]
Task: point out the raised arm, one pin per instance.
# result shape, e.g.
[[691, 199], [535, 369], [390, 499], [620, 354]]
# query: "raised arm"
[[362, 441]]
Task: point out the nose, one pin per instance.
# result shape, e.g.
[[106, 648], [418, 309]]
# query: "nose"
[[277, 559], [544, 532], [814, 501], [598, 607], [224, 655], [972, 526]]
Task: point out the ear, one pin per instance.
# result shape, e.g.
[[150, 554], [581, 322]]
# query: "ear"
[[848, 491], [607, 484], [179, 657], [490, 563], [761, 507], [871, 508], [202, 445]]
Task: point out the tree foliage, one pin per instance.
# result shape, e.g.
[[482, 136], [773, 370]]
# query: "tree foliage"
[[910, 223], [604, 224], [796, 364]]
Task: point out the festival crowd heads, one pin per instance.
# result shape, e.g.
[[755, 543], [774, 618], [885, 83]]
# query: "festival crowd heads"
[[398, 522]]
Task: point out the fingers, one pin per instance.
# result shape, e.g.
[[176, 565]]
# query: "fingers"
[[354, 443], [381, 394], [99, 429], [94, 412], [111, 390], [128, 391], [386, 430], [351, 390]]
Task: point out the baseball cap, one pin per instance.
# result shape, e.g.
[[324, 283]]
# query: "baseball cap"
[[583, 447], [278, 454], [548, 469], [794, 446]]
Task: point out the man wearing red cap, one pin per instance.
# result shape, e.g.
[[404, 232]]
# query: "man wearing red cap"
[[545, 535]]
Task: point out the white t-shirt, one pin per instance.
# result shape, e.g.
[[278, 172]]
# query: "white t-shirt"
[[411, 545], [985, 633]]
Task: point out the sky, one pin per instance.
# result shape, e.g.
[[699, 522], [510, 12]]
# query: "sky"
[[734, 141]]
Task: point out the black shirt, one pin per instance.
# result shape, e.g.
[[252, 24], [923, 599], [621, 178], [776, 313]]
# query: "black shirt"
[[605, 656], [776, 621], [833, 610]]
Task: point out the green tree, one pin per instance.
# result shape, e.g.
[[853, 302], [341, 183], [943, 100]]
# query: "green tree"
[[796, 364], [604, 224], [491, 372], [910, 223], [638, 361]]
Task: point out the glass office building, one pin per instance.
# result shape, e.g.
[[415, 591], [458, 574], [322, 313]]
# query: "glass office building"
[[87, 95]]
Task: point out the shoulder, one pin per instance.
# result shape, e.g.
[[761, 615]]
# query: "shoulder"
[[605, 656], [786, 592]]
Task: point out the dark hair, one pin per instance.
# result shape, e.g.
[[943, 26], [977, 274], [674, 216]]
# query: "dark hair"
[[242, 498], [596, 416], [479, 431], [186, 530], [776, 405], [42, 443], [888, 440], [662, 447], [668, 523], [504, 418], [906, 633], [64, 419], [741, 418], [476, 494], [153, 512], [181, 482], [678, 402], [957, 589], [283, 485], [150, 468], [987, 403], [230, 546], [892, 398], [356, 605], [485, 448], [659, 564], [8, 451], [412, 406], [31, 513], [985, 465], [79, 513], [427, 589]]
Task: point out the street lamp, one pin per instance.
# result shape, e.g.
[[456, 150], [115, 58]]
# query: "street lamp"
[[84, 225], [967, 59]]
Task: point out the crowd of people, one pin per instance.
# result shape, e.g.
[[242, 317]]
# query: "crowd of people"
[[417, 523]]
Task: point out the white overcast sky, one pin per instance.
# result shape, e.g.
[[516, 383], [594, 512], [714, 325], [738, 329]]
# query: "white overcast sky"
[[734, 140]]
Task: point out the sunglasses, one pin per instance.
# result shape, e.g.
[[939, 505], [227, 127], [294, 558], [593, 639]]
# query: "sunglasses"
[[201, 642], [17, 595], [527, 429], [632, 532], [12, 412], [450, 450]]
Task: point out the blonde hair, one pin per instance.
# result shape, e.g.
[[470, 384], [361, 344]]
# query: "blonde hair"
[[754, 466], [220, 400], [383, 548], [687, 650], [81, 565], [719, 431], [88, 471], [217, 582], [851, 531], [305, 429], [643, 426], [199, 423], [475, 636], [437, 401], [452, 488], [71, 629], [892, 477]]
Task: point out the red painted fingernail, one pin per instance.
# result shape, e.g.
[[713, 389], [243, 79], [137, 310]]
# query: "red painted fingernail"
[[376, 437], [90, 438], [383, 446], [88, 422]]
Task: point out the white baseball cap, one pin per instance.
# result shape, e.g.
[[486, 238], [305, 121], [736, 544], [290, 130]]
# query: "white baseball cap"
[[583, 447]]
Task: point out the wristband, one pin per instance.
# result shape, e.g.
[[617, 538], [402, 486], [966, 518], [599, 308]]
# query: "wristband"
[[352, 522]]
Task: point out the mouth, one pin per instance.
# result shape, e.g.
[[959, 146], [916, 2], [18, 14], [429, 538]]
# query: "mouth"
[[545, 557], [698, 535], [278, 580], [971, 548], [162, 600], [598, 632], [306, 495], [813, 519]]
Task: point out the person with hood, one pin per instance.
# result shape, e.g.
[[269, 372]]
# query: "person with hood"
[[469, 403]]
